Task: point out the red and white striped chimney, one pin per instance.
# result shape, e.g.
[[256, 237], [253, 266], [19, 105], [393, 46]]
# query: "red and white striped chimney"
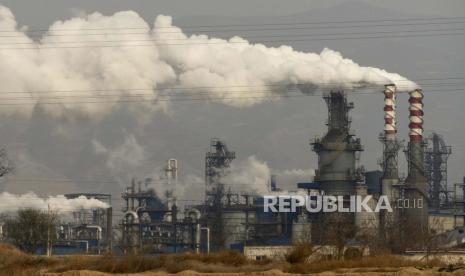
[[416, 115], [390, 112]]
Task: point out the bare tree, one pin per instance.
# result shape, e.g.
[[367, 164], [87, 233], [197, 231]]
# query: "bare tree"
[[30, 229], [6, 165], [335, 229]]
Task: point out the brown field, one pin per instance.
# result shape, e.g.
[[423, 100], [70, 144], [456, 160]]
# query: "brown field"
[[14, 262]]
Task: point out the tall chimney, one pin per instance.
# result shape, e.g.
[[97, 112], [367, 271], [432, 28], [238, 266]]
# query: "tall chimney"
[[416, 116], [416, 182], [391, 146], [390, 112]]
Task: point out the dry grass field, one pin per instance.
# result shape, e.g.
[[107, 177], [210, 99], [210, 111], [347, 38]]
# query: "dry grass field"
[[14, 262]]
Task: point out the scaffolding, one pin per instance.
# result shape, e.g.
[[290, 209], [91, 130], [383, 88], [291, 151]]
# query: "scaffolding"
[[436, 156], [217, 162], [151, 225]]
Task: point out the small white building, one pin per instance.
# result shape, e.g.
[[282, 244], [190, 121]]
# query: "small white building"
[[279, 252]]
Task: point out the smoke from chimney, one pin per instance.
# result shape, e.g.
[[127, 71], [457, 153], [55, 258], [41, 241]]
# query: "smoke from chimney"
[[67, 65], [12, 203]]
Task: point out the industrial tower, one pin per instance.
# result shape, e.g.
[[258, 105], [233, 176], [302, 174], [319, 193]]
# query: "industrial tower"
[[338, 151], [436, 155], [337, 174], [391, 145], [416, 186], [217, 161]]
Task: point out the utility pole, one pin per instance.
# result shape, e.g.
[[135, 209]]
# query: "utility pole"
[[49, 222]]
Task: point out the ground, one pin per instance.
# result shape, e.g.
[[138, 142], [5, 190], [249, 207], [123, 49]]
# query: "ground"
[[14, 262]]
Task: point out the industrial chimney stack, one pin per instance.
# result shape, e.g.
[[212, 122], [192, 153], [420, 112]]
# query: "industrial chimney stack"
[[390, 180], [390, 143], [416, 182]]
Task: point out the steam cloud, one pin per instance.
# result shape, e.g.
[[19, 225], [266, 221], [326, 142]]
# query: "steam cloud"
[[127, 155], [11, 203], [253, 176], [66, 60]]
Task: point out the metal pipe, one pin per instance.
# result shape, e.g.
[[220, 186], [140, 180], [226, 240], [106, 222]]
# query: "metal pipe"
[[134, 215], [99, 235], [208, 238], [197, 238], [87, 244], [195, 215]]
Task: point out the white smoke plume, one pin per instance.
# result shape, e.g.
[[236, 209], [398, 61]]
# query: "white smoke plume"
[[250, 175], [123, 157], [253, 176], [187, 189], [67, 65], [288, 179], [12, 203]]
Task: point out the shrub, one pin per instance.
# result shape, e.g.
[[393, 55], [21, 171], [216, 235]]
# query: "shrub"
[[299, 253]]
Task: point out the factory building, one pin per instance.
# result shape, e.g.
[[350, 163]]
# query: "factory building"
[[234, 220], [88, 231], [151, 224], [422, 203]]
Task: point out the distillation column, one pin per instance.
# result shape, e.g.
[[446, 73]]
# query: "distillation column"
[[337, 151], [337, 172]]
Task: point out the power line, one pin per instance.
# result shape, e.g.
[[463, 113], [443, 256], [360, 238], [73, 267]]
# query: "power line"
[[374, 84], [172, 92], [418, 32], [268, 98], [228, 42], [253, 24], [186, 95], [175, 96], [39, 180]]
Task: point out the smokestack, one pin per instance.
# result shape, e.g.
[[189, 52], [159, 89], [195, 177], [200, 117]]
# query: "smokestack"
[[416, 182], [416, 116], [389, 140], [390, 180], [415, 156], [390, 112], [390, 143]]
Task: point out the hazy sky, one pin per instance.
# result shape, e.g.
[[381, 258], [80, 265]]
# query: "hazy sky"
[[64, 152]]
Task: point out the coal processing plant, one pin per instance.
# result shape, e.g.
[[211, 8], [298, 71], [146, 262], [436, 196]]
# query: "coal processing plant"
[[226, 219], [423, 205]]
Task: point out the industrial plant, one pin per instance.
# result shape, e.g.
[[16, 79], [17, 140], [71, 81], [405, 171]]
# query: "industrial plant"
[[238, 221], [232, 220]]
